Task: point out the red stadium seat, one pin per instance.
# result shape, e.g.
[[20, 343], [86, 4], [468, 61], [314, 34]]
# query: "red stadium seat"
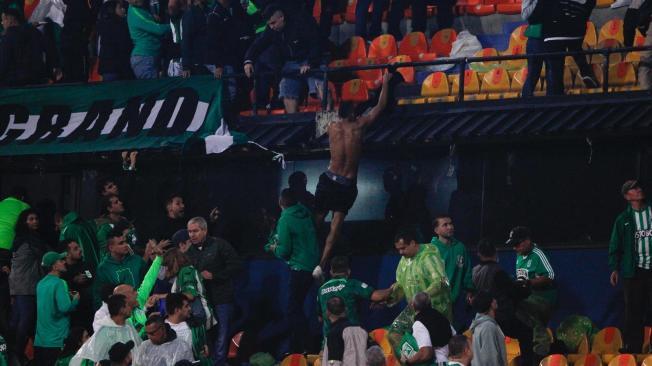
[[355, 91], [413, 44], [406, 72], [383, 48], [442, 42]]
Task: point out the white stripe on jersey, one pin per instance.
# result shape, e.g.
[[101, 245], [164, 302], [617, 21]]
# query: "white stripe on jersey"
[[546, 264], [643, 239]]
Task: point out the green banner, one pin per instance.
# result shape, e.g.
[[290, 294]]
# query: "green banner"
[[118, 115]]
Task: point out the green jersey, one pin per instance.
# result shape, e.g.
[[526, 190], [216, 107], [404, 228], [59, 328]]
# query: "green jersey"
[[3, 352], [643, 237], [347, 289], [458, 265], [53, 306], [536, 264]]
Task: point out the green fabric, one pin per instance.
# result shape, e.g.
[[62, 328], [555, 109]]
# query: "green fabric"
[[3, 352], [262, 359], [296, 239], [349, 290], [458, 266], [408, 347], [535, 312], [63, 361], [53, 303], [104, 227], [622, 249], [534, 31], [253, 9], [187, 281], [423, 272], [199, 340], [145, 32], [536, 264], [572, 329], [129, 271], [10, 209], [139, 316], [84, 232]]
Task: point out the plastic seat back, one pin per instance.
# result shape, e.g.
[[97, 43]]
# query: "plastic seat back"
[[588, 360], [413, 44], [647, 334], [590, 38], [442, 42], [623, 360], [408, 71], [496, 81], [355, 48], [234, 345], [372, 77], [471, 83], [485, 66], [294, 359], [355, 91], [622, 74], [647, 361], [383, 48], [349, 14], [608, 340], [612, 29], [554, 360], [435, 85]]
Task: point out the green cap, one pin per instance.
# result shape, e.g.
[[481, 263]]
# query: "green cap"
[[262, 359], [51, 257]]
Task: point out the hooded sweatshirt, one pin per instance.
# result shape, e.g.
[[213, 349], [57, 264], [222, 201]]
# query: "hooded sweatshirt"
[[10, 209], [458, 265], [145, 32], [129, 270], [85, 234], [53, 308], [488, 342], [97, 347], [296, 239]]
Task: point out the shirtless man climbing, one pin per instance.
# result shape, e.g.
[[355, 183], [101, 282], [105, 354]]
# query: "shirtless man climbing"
[[337, 187]]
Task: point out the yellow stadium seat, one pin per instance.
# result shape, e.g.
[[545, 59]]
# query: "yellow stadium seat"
[[588, 360], [471, 85], [408, 71], [591, 37], [518, 36], [613, 57], [603, 3], [413, 45], [583, 348], [312, 359], [294, 359], [512, 347], [485, 66], [435, 85], [621, 75], [442, 42], [640, 357], [355, 91], [554, 360], [623, 360], [514, 49], [497, 86], [317, 362], [607, 341], [647, 361], [612, 29], [569, 78], [383, 48]]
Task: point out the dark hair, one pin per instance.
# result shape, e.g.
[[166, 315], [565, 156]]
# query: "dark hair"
[[155, 319], [287, 198], [340, 264], [346, 110], [116, 303], [107, 12], [335, 306], [485, 248], [106, 291], [297, 180], [106, 180], [122, 225], [421, 301], [106, 202], [63, 245], [435, 222], [270, 10], [170, 197], [73, 341], [114, 233], [407, 234], [457, 345], [174, 259], [482, 301], [174, 301], [16, 14], [21, 224]]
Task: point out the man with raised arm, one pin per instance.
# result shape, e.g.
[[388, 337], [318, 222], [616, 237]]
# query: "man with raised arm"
[[337, 187]]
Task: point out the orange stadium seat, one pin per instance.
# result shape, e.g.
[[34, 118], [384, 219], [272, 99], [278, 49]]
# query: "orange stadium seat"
[[647, 361], [477, 7], [349, 14], [442, 42], [623, 360], [485, 66], [355, 91], [512, 347], [608, 340], [413, 45], [383, 48], [601, 4], [355, 48], [647, 334], [511, 7], [591, 37], [471, 85], [583, 348], [380, 337], [373, 77], [612, 29], [234, 345], [406, 72], [294, 359], [339, 63], [569, 77], [554, 360], [588, 360]]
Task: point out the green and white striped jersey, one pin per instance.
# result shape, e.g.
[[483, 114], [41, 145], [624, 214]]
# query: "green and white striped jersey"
[[643, 237]]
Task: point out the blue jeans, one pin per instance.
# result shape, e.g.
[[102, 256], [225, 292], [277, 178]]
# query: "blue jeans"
[[534, 45], [361, 10], [223, 312], [144, 67], [290, 86], [23, 318]]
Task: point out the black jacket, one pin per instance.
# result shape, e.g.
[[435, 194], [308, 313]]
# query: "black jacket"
[[115, 46], [230, 32], [21, 57], [438, 326], [566, 18], [297, 41], [194, 41], [218, 257]]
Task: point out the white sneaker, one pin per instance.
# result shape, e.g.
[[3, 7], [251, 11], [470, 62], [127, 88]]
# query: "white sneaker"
[[620, 4], [318, 274]]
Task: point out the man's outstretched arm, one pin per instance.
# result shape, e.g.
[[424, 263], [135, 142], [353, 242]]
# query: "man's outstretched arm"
[[382, 102]]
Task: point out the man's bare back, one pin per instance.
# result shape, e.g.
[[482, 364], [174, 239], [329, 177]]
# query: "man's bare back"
[[345, 140]]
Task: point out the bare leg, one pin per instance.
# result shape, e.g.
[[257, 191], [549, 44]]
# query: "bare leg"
[[291, 105], [333, 235]]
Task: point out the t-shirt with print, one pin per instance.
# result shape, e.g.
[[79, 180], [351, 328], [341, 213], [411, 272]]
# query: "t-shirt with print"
[[643, 237], [536, 264], [349, 290]]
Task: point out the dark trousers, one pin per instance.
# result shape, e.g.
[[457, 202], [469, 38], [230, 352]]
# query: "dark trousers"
[[556, 64], [23, 320], [300, 282], [638, 299], [268, 62], [534, 65], [514, 328], [361, 11], [419, 15], [46, 356]]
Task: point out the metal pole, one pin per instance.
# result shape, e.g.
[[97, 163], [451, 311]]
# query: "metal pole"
[[460, 91], [254, 102], [605, 71], [324, 101]]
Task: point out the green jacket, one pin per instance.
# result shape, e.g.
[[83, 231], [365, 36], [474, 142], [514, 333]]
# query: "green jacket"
[[458, 266], [130, 271], [622, 251], [296, 239], [53, 304], [84, 232], [10, 209], [145, 32]]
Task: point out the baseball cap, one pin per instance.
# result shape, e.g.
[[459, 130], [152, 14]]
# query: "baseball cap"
[[50, 258], [517, 235], [120, 350], [179, 237], [630, 184]]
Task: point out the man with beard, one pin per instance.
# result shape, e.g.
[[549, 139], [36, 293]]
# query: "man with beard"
[[53, 305]]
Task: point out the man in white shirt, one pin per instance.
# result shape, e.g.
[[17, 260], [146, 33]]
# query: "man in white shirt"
[[432, 331]]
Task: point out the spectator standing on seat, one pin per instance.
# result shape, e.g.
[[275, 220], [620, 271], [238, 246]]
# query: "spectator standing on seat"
[[630, 259], [361, 17], [643, 20], [162, 348], [74, 40], [488, 339], [460, 352], [146, 34], [114, 42], [194, 39], [534, 271], [217, 263], [431, 330], [419, 8], [564, 28], [293, 37], [53, 306], [532, 13]]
